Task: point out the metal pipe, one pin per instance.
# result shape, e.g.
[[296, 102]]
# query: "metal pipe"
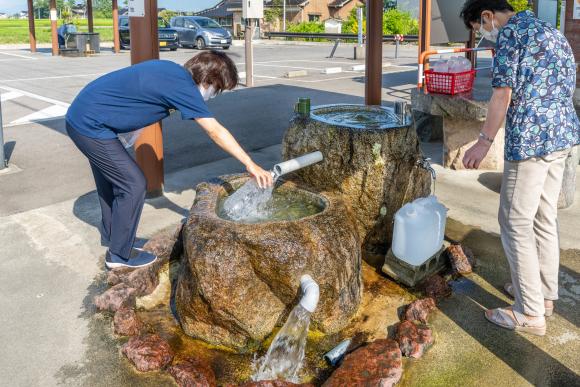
[[424, 27], [116, 42], [359, 18], [311, 293], [2, 156], [31, 27], [249, 53], [53, 27], [149, 145], [374, 52]]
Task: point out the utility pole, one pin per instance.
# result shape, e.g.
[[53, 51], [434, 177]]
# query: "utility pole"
[[374, 53]]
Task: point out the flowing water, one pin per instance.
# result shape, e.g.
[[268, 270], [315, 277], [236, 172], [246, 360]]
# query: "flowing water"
[[251, 204], [285, 356]]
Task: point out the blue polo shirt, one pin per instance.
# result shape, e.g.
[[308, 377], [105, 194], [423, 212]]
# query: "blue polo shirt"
[[134, 97]]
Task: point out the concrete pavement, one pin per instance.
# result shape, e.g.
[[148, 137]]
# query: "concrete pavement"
[[51, 261]]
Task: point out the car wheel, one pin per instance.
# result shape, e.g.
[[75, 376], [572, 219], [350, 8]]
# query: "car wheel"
[[226, 47], [200, 43]]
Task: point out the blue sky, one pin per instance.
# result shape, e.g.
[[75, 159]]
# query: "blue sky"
[[13, 6]]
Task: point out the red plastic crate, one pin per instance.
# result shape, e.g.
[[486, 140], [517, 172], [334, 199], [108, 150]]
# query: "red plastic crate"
[[449, 83]]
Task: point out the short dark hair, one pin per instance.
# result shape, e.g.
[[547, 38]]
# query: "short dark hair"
[[213, 68], [472, 9]]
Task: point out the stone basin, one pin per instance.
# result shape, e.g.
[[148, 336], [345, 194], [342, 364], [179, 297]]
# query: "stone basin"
[[239, 280], [370, 160]]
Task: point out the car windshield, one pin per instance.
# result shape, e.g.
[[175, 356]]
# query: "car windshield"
[[207, 23]]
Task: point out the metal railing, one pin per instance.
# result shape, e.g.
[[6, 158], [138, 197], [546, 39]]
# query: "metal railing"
[[331, 36]]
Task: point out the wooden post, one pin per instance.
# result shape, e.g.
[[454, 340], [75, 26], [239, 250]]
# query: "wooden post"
[[424, 27], [149, 145], [90, 14], [31, 28], [117, 43], [374, 53], [53, 27]]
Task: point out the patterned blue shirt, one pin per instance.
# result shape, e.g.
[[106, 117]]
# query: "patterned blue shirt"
[[536, 61]]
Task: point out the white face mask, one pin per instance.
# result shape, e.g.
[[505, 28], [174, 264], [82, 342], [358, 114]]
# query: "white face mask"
[[207, 93], [489, 35]]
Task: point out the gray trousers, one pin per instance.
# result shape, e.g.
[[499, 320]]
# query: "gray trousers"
[[528, 218], [120, 186]]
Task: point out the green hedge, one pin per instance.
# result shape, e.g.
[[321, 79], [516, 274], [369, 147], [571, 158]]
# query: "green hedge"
[[16, 31]]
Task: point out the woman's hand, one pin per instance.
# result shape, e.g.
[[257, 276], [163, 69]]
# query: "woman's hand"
[[475, 155], [263, 177]]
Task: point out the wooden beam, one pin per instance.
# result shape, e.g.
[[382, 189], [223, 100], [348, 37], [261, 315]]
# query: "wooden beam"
[[149, 145], [116, 41], [31, 27], [90, 14], [374, 53], [53, 27]]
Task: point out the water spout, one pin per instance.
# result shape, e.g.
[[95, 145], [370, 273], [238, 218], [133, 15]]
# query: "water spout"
[[297, 163], [286, 353], [310, 293]]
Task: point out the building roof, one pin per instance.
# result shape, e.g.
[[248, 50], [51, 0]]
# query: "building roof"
[[219, 10], [338, 3]]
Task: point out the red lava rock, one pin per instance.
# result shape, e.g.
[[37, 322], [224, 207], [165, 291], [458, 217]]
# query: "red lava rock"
[[193, 373], [376, 364], [413, 340], [461, 258], [436, 287], [126, 322], [148, 352], [273, 383], [116, 297], [419, 310]]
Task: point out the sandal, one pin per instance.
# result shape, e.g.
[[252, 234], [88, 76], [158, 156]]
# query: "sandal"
[[516, 322], [509, 289]]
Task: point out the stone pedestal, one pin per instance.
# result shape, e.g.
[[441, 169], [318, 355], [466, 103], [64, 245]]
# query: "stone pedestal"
[[239, 280], [374, 170], [463, 118]]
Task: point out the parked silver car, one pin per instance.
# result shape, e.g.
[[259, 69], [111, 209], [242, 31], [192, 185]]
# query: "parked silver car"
[[200, 32]]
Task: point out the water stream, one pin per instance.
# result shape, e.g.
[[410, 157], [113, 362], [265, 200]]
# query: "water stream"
[[249, 202], [285, 356]]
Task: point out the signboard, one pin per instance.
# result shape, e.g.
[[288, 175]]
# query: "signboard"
[[576, 10], [253, 9], [136, 8]]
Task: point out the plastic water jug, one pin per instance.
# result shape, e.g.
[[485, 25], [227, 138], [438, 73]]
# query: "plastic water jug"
[[419, 230]]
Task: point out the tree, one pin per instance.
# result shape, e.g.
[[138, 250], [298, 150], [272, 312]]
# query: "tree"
[[274, 11], [520, 5], [395, 21], [104, 8], [167, 14]]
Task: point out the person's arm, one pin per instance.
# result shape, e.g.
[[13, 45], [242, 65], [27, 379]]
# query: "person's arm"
[[224, 139], [496, 112]]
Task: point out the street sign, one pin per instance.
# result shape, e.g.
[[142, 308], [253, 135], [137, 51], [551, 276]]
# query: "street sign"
[[253, 9], [136, 8]]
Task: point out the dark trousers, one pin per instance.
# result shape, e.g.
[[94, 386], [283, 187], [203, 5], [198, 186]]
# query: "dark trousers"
[[120, 185]]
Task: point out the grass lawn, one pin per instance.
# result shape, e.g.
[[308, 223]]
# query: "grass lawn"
[[16, 31]]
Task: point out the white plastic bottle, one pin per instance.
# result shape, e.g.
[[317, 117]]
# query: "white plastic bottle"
[[419, 230]]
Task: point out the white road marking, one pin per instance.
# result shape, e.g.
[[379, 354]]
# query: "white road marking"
[[17, 55], [54, 77], [36, 96], [49, 113], [10, 95]]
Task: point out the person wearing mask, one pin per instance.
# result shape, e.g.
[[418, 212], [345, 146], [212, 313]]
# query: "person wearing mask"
[[106, 117], [534, 78]]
